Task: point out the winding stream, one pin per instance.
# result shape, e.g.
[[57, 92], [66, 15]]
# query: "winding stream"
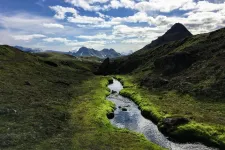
[[132, 119]]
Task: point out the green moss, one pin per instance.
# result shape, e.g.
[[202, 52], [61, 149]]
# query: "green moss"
[[211, 135], [94, 129], [157, 106]]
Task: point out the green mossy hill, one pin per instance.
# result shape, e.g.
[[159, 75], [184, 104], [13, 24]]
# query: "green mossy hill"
[[194, 65], [35, 95], [54, 101], [206, 117]]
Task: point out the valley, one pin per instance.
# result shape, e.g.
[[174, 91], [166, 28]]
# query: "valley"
[[57, 101]]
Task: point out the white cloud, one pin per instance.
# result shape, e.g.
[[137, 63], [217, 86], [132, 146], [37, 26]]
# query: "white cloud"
[[100, 36], [85, 20], [53, 25], [87, 4], [75, 43], [63, 40], [136, 41], [138, 17], [28, 37], [203, 6], [62, 11], [138, 32], [161, 5]]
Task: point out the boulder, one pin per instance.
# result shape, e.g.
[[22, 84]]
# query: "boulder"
[[110, 115], [27, 83], [113, 92], [170, 123], [124, 109]]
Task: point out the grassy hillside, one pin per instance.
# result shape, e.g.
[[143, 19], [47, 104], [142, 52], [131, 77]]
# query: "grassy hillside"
[[194, 65], [184, 78], [54, 101]]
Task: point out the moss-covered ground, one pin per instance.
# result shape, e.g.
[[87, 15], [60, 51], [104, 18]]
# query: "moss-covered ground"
[[54, 101], [207, 117]]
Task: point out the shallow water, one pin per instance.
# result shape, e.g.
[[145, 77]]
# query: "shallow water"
[[133, 120]]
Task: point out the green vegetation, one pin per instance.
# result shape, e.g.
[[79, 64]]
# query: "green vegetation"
[[207, 123], [183, 79], [54, 101], [92, 128]]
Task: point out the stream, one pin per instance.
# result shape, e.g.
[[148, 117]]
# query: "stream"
[[130, 117]]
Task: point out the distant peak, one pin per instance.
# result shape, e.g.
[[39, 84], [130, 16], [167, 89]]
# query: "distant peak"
[[178, 28], [177, 32]]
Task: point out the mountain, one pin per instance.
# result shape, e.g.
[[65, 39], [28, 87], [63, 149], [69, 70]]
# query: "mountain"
[[29, 50], [176, 32], [89, 52], [192, 65], [184, 78]]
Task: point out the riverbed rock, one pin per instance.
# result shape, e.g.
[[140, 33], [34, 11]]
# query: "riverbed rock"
[[113, 92], [110, 115], [170, 123], [124, 109], [110, 81]]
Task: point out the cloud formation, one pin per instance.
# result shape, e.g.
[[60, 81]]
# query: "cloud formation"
[[120, 24]]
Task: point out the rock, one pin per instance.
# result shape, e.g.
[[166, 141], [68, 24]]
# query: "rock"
[[27, 83], [50, 63], [110, 115], [170, 123], [110, 81], [119, 107], [124, 109], [113, 92]]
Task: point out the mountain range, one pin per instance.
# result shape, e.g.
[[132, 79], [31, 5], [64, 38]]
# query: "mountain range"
[[82, 52], [29, 50], [89, 52]]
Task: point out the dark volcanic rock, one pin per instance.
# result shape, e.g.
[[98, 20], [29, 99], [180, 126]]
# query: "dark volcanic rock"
[[174, 63], [113, 92], [50, 63], [168, 124], [124, 109], [110, 115], [176, 32]]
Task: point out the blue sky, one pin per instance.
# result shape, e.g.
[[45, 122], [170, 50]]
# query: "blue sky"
[[124, 25]]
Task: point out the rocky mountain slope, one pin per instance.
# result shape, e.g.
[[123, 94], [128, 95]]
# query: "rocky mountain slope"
[[89, 52], [193, 65], [177, 32]]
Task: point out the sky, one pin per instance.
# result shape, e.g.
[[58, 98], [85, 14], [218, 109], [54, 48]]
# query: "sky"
[[125, 25]]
